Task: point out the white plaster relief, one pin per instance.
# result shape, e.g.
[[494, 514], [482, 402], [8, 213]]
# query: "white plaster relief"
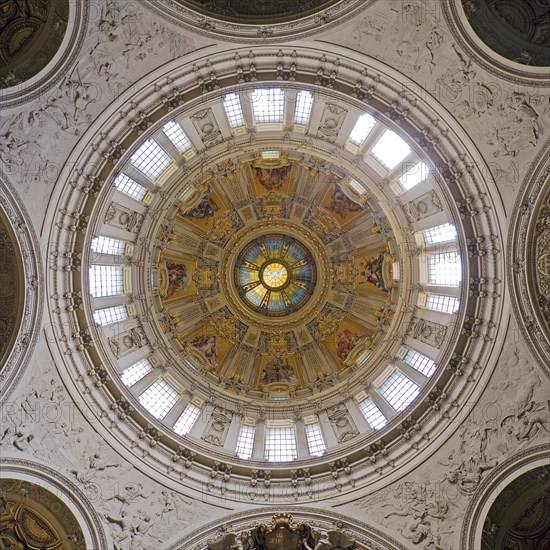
[[43, 422], [512, 121], [123, 44], [426, 508]]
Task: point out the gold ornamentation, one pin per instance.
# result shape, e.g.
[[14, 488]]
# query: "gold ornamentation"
[[328, 324]]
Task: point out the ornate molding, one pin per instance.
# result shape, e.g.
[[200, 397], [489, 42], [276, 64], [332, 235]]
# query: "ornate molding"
[[32, 288], [64, 489], [525, 256], [150, 442], [268, 33]]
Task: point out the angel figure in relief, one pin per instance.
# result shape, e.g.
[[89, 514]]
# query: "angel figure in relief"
[[330, 540]]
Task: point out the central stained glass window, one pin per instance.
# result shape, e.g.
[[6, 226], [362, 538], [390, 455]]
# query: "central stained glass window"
[[275, 275]]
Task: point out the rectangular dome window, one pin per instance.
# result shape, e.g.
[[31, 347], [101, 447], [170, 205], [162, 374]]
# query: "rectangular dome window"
[[418, 173], [372, 413], [271, 155], [177, 136], [357, 187], [315, 441], [136, 372], [106, 245], [446, 304], [390, 149], [105, 280], [245, 443], [280, 444], [187, 419], [110, 315], [130, 187], [159, 398], [398, 390], [440, 234], [268, 104], [304, 104], [424, 365], [151, 159], [362, 128], [233, 110], [444, 269]]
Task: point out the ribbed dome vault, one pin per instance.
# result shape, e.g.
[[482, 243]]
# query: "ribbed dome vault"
[[276, 264]]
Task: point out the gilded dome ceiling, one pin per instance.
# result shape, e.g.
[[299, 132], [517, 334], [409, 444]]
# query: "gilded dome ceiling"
[[268, 269], [273, 274], [283, 275]]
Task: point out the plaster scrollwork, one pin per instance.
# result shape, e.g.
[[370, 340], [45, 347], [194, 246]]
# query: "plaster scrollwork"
[[121, 37], [506, 105], [137, 514]]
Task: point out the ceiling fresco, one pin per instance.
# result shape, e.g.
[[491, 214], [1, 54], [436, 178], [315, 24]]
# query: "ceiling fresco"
[[283, 277]]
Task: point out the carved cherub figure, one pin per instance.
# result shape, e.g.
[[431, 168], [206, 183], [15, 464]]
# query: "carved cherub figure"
[[330, 540]]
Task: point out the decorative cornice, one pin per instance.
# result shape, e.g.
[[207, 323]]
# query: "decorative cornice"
[[150, 444], [268, 33], [522, 264], [32, 288], [65, 489]]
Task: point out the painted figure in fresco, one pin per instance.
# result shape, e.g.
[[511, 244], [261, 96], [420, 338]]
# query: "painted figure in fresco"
[[278, 370], [341, 204], [347, 340], [178, 278], [373, 271], [208, 346], [271, 178], [205, 209]]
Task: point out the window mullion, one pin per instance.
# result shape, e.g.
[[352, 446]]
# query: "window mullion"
[[259, 441], [175, 412], [355, 412], [168, 147], [301, 440], [404, 166], [233, 432], [148, 380], [290, 106], [411, 372], [223, 125]]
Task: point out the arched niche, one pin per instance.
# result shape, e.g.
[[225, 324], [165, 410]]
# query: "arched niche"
[[268, 527], [21, 288], [528, 270], [40, 508], [510, 489], [520, 515]]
